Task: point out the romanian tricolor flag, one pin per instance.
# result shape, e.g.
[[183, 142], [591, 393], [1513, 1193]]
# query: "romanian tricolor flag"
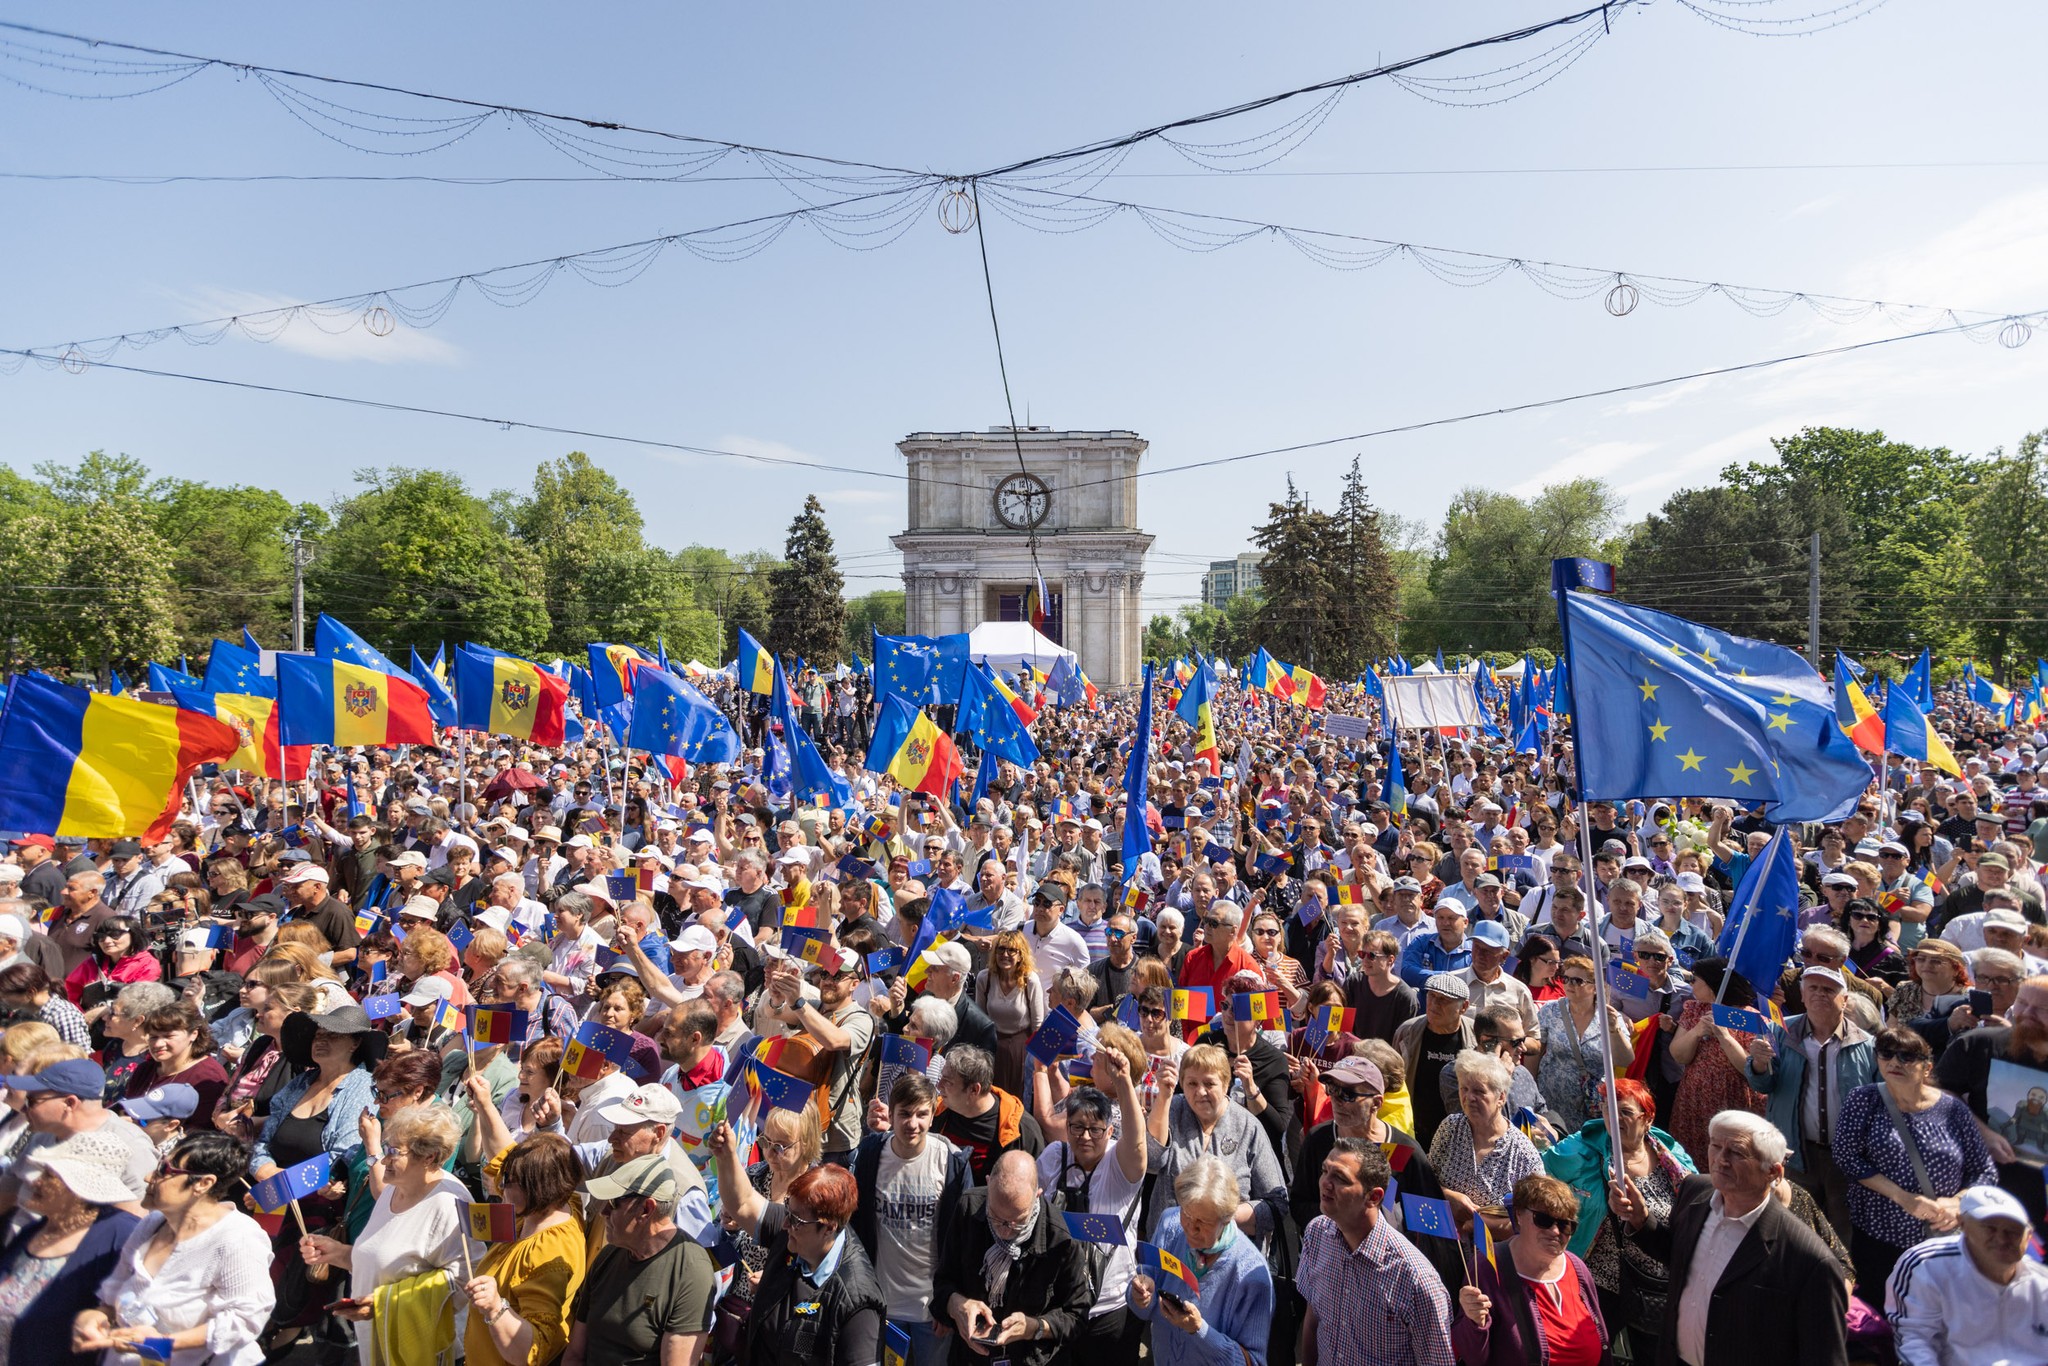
[[1199, 712], [1025, 711], [90, 766], [1854, 713], [1308, 688], [1907, 731], [502, 695], [1270, 675], [255, 724], [757, 666]]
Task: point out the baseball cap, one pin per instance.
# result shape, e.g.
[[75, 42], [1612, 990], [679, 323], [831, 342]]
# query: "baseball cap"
[[1993, 861], [794, 855], [577, 842], [1406, 884], [1355, 1071], [1892, 847], [428, 990], [305, 872], [411, 858], [651, 1103], [2004, 919], [698, 837], [1825, 975], [39, 841], [81, 1077], [1487, 880], [172, 1100], [1491, 933], [1990, 1202], [189, 941], [1693, 882], [125, 848], [695, 939], [1839, 880], [1448, 984], [647, 1178]]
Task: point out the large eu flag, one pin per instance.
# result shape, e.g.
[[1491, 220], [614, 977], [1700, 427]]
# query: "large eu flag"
[[1666, 707]]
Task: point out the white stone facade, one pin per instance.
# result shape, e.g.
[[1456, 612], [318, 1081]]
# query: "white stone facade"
[[963, 564]]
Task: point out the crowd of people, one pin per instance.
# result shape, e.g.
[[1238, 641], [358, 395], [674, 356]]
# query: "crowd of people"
[[1322, 1075]]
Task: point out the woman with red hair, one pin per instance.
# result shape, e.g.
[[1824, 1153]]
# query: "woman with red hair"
[[1630, 1281], [818, 1299]]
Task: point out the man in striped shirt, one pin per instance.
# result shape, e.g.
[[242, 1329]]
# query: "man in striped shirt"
[[1373, 1299]]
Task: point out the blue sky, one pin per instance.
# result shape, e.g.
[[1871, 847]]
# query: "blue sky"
[[833, 355]]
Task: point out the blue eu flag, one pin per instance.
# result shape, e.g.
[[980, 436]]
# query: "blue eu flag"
[[1763, 917], [1668, 708], [1433, 1217], [671, 717]]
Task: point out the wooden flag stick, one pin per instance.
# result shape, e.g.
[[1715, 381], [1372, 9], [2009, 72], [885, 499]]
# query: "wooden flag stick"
[[313, 1273]]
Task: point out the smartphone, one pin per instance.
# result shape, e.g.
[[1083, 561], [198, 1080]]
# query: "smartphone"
[[1980, 1004], [1180, 1305]]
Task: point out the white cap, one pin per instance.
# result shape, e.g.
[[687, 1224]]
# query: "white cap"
[[425, 907], [699, 837], [428, 990], [596, 891], [497, 917], [695, 939], [305, 872], [1992, 1202], [578, 842], [190, 941], [11, 927]]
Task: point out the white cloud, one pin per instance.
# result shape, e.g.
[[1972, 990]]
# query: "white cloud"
[[325, 338], [1683, 466], [1997, 258]]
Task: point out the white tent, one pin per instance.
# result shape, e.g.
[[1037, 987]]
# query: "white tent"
[[1011, 645]]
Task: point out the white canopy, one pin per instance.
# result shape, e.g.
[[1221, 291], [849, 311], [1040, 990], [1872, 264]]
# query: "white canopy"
[[1012, 645]]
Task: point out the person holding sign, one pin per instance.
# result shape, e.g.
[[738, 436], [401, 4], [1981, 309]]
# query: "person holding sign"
[[1233, 1312]]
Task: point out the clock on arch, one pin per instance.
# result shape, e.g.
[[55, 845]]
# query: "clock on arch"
[[1022, 501]]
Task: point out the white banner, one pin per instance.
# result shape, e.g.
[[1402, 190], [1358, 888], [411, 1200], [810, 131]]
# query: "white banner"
[[1350, 728], [1427, 701]]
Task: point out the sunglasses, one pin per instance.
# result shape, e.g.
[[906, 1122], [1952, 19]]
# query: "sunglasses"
[[1813, 956], [1353, 1094], [1147, 1014], [1549, 1223], [1865, 915], [1885, 1054], [1652, 954], [1576, 981]]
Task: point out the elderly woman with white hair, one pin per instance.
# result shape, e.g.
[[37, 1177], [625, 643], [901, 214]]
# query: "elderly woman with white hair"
[[1477, 1154], [1169, 939], [413, 1243], [933, 1023], [1233, 1318]]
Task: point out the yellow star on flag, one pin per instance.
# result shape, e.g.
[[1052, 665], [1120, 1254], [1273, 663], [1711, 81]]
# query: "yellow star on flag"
[[1780, 720], [1690, 760], [1648, 690], [1741, 773], [1659, 730], [1784, 699]]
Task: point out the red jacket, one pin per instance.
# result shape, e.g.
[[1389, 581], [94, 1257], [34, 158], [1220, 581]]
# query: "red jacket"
[[136, 967]]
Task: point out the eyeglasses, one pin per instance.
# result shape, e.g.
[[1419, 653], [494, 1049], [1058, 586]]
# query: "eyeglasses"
[[1886, 1053], [2000, 981], [789, 1213], [1519, 1043], [1265, 929], [386, 1097], [1549, 1223], [1353, 1094], [161, 1172], [1145, 1013], [1817, 956], [779, 1149], [1652, 955], [1087, 1130], [1575, 981], [1375, 953]]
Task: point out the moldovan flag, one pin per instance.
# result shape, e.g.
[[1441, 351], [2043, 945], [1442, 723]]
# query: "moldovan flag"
[[507, 696], [331, 702], [926, 761], [255, 723], [493, 1222], [1196, 709], [1269, 674], [757, 666], [1308, 687], [90, 766]]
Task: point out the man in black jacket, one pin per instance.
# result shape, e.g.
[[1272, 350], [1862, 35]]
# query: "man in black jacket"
[[1749, 1284], [1012, 1277]]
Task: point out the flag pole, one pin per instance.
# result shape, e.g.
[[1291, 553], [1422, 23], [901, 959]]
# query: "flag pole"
[[1610, 1103]]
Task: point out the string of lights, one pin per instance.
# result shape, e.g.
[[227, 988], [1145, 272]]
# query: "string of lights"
[[865, 222], [1621, 290]]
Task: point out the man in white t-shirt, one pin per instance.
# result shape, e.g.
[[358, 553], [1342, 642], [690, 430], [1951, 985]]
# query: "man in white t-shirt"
[[910, 1182], [1100, 1170], [1054, 943]]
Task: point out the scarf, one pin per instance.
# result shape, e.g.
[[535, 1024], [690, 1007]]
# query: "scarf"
[[1001, 1256]]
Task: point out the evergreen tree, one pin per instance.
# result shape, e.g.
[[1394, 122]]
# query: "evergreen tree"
[[1296, 585], [1365, 607], [806, 614]]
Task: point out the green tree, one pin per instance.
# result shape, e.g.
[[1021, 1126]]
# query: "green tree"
[[734, 588], [806, 612], [415, 559], [1164, 639], [1296, 584], [1489, 588], [85, 587], [1365, 604], [231, 559], [2005, 581], [882, 610]]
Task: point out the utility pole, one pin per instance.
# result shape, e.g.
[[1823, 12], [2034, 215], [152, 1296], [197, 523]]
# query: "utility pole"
[[299, 548], [1813, 603]]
